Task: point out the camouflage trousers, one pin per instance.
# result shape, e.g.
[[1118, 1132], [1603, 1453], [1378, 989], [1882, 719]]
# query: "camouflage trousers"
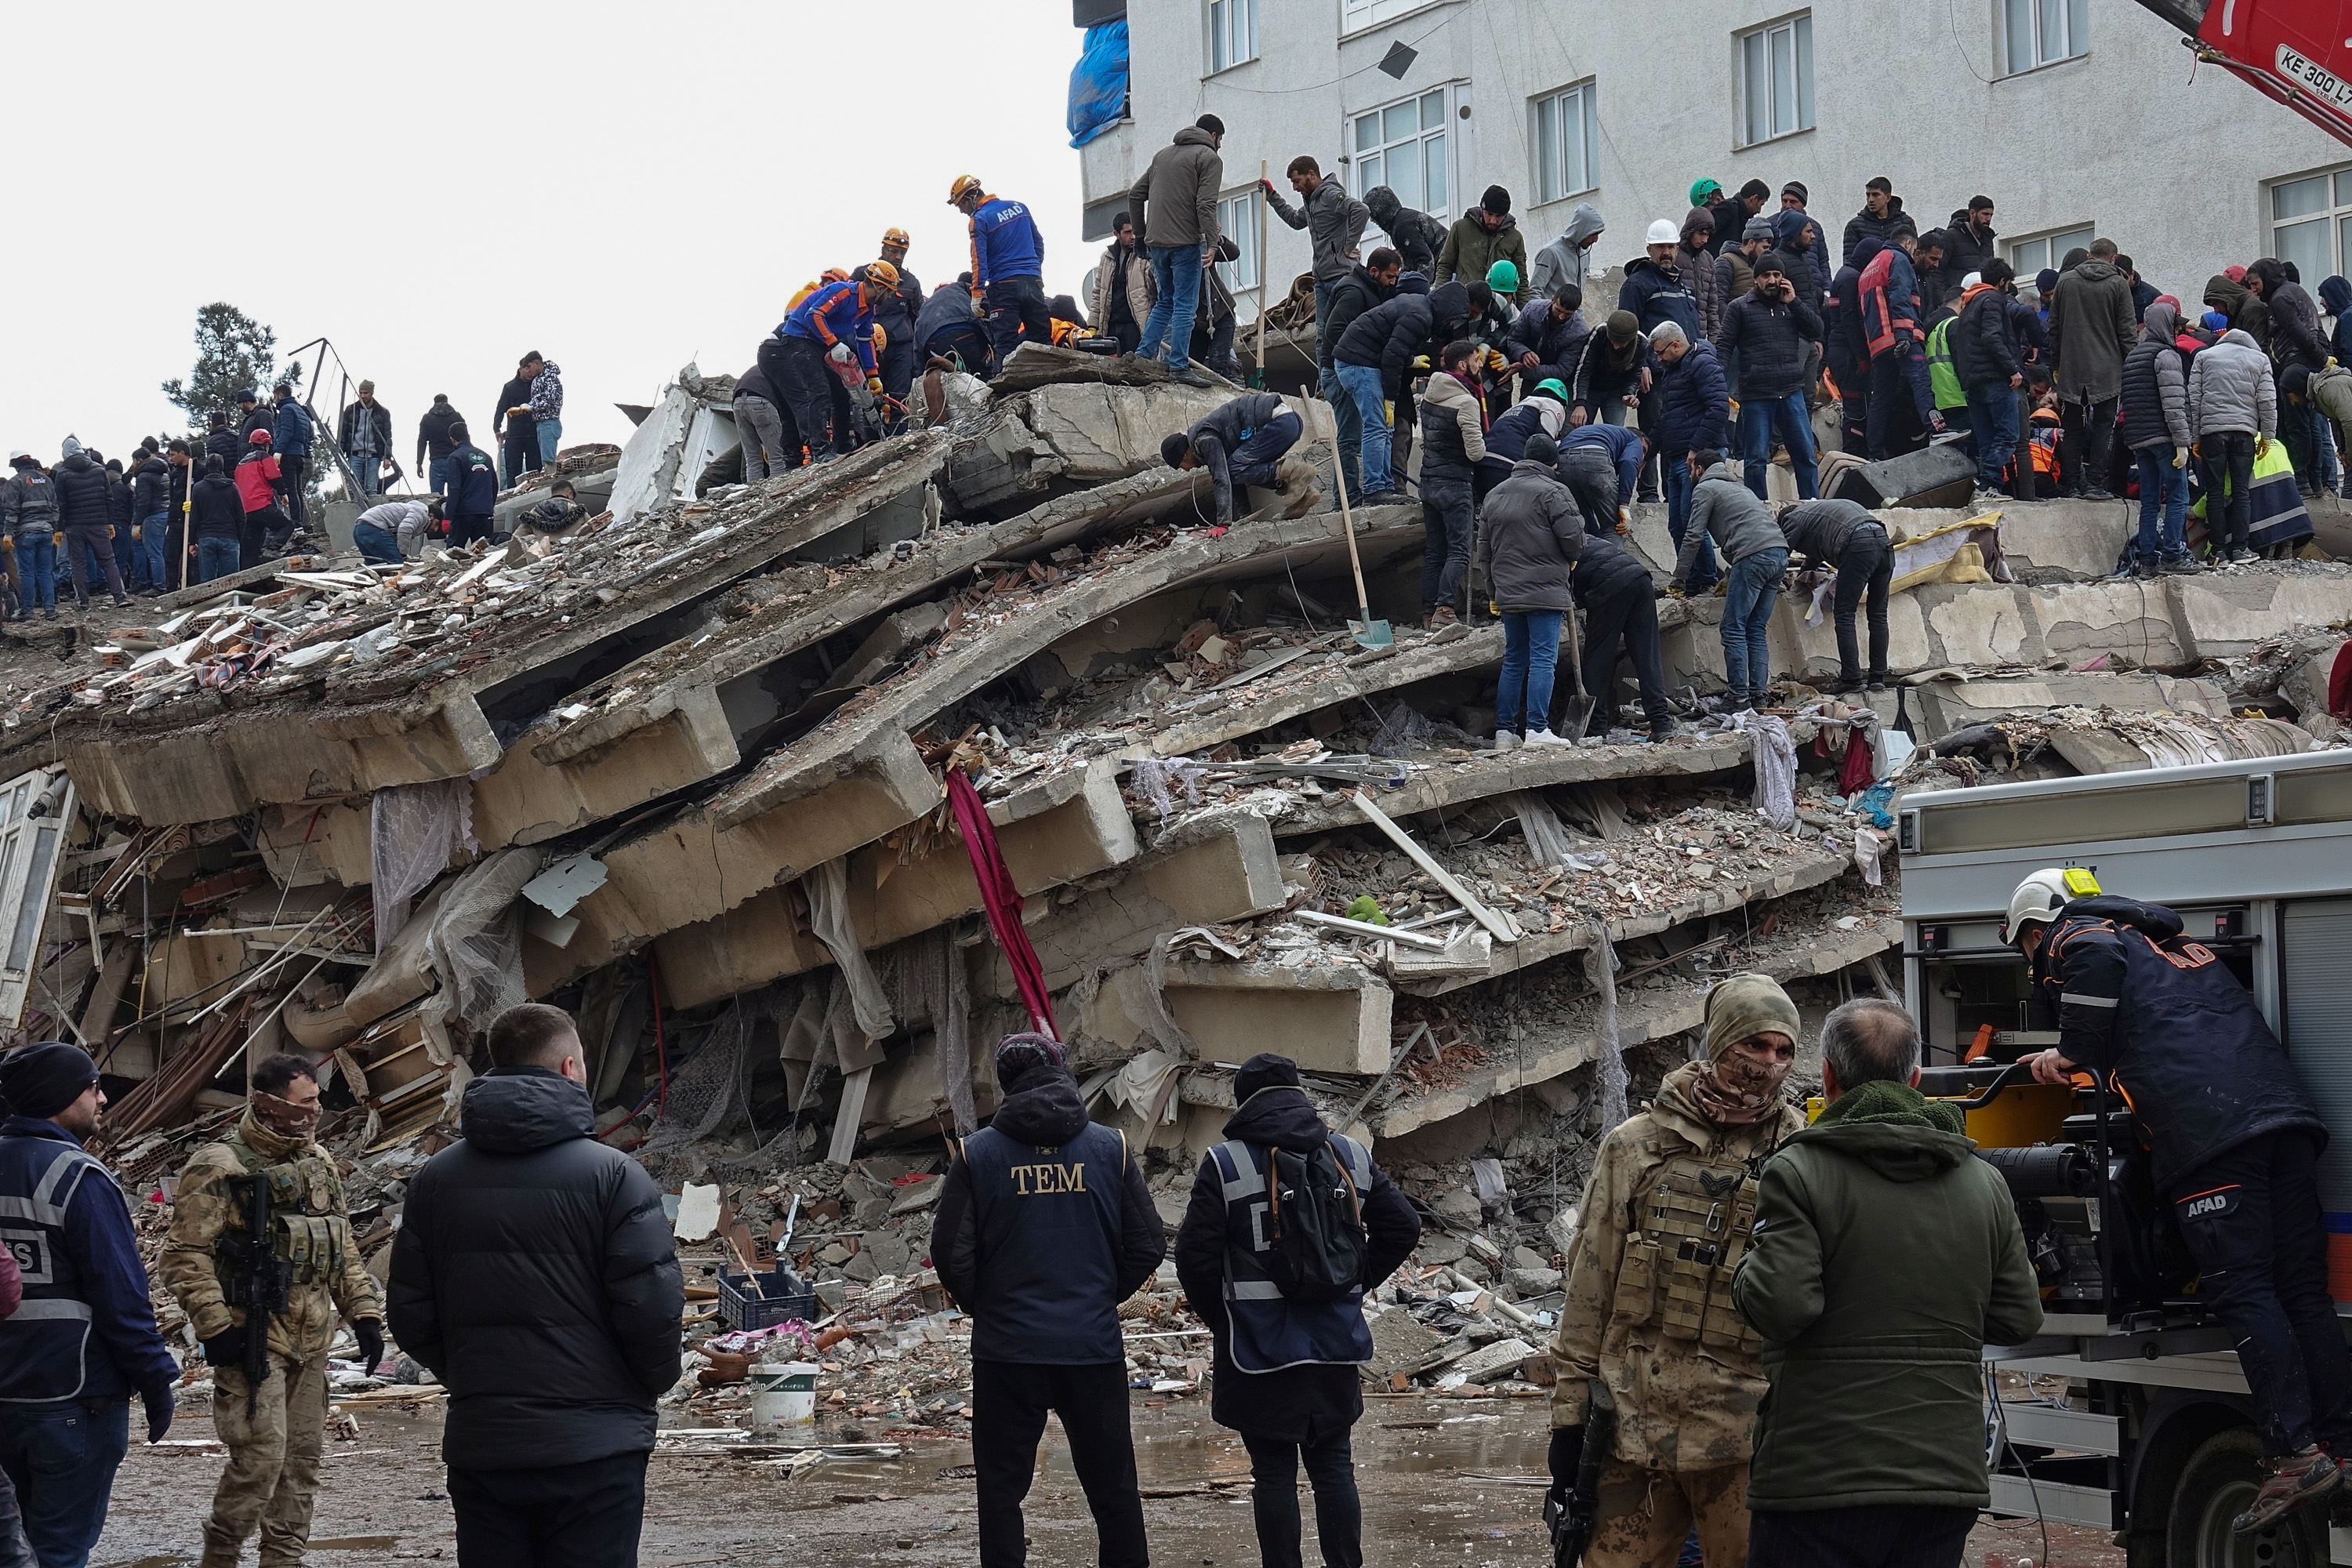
[[273, 1461], [1646, 1515]]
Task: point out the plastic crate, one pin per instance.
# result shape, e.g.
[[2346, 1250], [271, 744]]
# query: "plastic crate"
[[779, 1297]]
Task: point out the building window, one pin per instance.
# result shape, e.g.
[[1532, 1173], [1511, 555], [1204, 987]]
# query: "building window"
[[1776, 81], [2311, 223], [1402, 146], [1568, 136], [2043, 32], [1233, 33], [1238, 221], [2046, 250], [1355, 14]]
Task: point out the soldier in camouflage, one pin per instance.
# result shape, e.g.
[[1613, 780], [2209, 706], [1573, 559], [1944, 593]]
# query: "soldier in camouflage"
[[1665, 1218], [273, 1467]]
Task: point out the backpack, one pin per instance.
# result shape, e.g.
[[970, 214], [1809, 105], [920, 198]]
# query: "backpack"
[[1315, 1226]]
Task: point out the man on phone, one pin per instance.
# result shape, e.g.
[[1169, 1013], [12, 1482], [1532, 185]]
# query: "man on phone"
[[1767, 329]]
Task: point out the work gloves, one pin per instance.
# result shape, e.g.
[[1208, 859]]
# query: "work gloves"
[[158, 1401], [1566, 1453], [2261, 445], [1673, 589], [371, 1336], [2181, 457], [839, 353], [226, 1348], [874, 384]]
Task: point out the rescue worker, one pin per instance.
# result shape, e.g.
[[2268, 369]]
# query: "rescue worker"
[[1008, 267], [1649, 1311], [1286, 1368], [1844, 537], [836, 323], [2235, 1143], [273, 1427], [896, 310], [1612, 587], [1044, 1225], [1247, 442], [84, 1337]]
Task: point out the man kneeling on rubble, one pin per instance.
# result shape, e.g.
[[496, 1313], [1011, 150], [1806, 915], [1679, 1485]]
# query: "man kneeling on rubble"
[[1648, 1313], [1886, 1258], [1286, 1350], [1249, 442], [273, 1422], [1044, 1227]]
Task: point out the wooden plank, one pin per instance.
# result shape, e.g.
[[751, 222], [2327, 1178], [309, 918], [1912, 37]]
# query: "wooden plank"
[[1366, 927], [1500, 928]]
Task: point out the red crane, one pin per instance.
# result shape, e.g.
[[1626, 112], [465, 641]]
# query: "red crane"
[[2298, 52]]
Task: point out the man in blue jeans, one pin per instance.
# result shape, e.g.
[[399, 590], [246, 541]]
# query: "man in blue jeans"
[[1984, 357], [1769, 329], [1175, 202], [1723, 510], [1246, 442], [84, 1338]]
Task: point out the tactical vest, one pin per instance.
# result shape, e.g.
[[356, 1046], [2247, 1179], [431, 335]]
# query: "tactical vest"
[[1690, 1227], [1049, 1222], [1269, 1331], [45, 1343], [308, 1231]]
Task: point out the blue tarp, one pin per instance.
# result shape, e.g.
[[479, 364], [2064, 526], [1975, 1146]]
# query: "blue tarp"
[[1099, 82]]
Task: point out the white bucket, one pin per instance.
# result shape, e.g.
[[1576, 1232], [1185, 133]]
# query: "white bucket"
[[784, 1393]]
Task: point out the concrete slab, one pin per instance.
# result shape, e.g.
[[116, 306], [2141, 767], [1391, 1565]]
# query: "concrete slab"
[[1068, 435], [2225, 614], [1944, 706], [1333, 1019]]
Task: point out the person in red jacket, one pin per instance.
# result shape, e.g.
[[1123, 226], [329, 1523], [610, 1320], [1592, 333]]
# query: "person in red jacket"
[[256, 486]]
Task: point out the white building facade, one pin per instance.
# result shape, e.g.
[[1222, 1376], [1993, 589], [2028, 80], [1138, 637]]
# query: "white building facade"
[[2077, 117]]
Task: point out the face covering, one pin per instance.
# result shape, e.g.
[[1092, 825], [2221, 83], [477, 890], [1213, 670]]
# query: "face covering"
[[284, 1117], [1736, 1088]]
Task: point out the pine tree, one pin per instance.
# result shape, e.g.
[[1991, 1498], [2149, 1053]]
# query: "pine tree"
[[233, 350]]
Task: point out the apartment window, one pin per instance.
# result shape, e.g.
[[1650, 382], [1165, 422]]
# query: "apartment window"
[[1357, 14], [1776, 81], [1233, 33], [1402, 146], [1237, 220], [1567, 137], [2310, 224], [2046, 250], [2043, 32]]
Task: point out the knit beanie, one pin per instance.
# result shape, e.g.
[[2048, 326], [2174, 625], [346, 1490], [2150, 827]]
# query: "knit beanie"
[[1759, 227], [1174, 447], [1796, 188], [1496, 200], [1262, 1071], [1541, 449], [2216, 322], [1741, 1006], [1020, 1056], [43, 1078], [2046, 279], [1622, 327]]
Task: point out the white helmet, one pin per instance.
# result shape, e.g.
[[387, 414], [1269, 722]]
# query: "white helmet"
[[1664, 232], [2042, 895]]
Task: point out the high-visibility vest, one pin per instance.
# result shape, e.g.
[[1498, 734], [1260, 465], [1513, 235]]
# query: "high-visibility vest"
[[1942, 379]]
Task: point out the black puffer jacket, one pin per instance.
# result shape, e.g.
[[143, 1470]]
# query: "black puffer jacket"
[[1770, 337], [82, 499], [1862, 226], [1391, 335], [224, 444], [1984, 348], [1298, 1404], [1415, 235], [2202, 1071], [534, 1274], [1357, 293], [118, 511], [2292, 321], [150, 488], [1606, 569]]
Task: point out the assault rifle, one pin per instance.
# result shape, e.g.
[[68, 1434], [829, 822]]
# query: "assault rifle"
[[253, 1278], [1572, 1519]]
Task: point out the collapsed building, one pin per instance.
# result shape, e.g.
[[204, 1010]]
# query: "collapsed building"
[[687, 772]]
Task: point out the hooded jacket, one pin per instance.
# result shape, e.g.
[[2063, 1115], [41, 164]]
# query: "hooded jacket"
[[82, 500], [1693, 407], [1356, 293], [1697, 268], [1529, 535], [432, 432], [2156, 384], [1821, 530], [1453, 429], [1790, 223], [1862, 226], [1469, 250], [1128, 273], [1562, 261], [1175, 202], [1983, 343], [218, 509], [1555, 345], [1334, 222], [372, 423], [1886, 1258], [2291, 320], [1967, 248], [2335, 298], [1506, 438], [1392, 334], [1679, 1407], [28, 502], [1041, 1109], [1297, 1404], [150, 488], [2092, 328], [2230, 388], [535, 1275], [1769, 337], [1655, 293], [2240, 303], [291, 428], [1725, 510], [1413, 234], [2186, 1045]]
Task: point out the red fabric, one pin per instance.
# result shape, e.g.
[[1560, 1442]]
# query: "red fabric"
[[1002, 898], [1856, 775], [2339, 683]]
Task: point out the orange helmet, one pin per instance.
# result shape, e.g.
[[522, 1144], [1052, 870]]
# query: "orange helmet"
[[897, 237], [835, 275], [881, 274], [965, 186]]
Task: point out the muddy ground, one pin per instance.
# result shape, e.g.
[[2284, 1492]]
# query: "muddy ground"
[[1444, 1481]]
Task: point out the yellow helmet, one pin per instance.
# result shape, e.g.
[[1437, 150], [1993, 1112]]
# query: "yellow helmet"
[[897, 237], [881, 274], [965, 186]]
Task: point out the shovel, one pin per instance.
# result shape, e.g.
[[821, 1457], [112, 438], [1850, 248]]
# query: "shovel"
[[1576, 708], [1369, 633]]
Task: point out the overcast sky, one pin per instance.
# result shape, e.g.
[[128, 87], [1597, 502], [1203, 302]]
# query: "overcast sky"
[[436, 188]]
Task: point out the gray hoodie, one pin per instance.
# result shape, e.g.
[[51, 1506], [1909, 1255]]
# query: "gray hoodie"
[[1562, 261], [1334, 222], [1725, 510]]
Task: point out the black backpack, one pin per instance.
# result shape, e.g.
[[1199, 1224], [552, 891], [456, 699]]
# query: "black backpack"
[[1315, 1226]]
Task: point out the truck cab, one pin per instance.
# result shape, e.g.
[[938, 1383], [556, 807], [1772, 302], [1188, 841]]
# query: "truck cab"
[[2129, 1412]]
